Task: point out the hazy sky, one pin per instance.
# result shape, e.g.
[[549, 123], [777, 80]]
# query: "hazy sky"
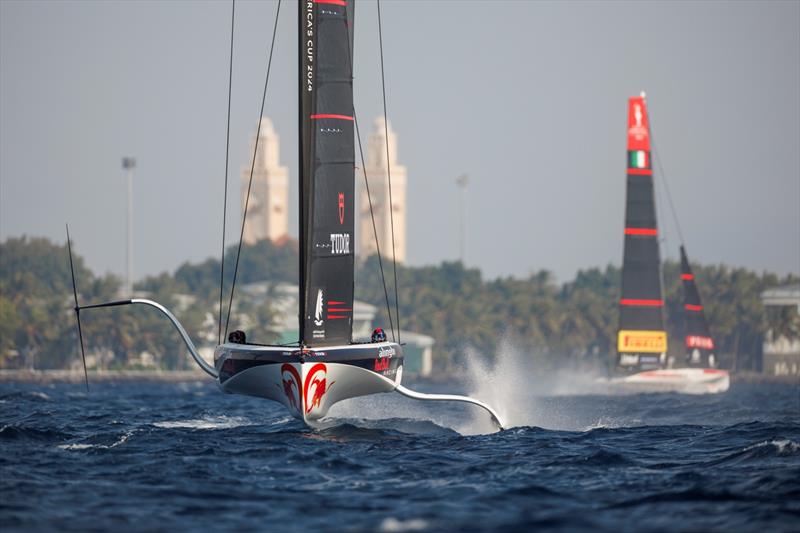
[[528, 98]]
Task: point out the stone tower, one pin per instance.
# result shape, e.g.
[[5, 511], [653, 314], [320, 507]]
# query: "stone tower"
[[379, 191], [268, 211]]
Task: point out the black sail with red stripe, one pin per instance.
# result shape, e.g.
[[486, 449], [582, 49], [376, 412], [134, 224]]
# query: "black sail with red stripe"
[[327, 172], [642, 341], [697, 335]]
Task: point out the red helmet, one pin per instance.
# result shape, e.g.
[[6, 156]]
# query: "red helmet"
[[378, 335]]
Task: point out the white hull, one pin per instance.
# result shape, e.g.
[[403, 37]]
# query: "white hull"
[[681, 380], [308, 390], [309, 381]]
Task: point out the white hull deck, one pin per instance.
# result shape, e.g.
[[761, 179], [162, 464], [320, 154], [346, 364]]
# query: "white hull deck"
[[309, 381]]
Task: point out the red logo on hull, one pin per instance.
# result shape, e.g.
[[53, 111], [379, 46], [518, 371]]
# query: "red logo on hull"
[[317, 384], [291, 384], [341, 208], [381, 365]]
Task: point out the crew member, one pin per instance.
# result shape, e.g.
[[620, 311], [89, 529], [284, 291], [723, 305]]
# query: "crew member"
[[378, 335]]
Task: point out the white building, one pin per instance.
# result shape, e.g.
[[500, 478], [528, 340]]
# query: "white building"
[[782, 348], [377, 174], [268, 210]]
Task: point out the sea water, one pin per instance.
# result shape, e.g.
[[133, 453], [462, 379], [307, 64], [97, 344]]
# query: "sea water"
[[185, 456]]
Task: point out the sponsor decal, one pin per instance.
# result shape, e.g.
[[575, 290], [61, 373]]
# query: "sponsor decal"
[[697, 341], [338, 310], [291, 384], [336, 244], [381, 365], [638, 134], [309, 46], [341, 208], [642, 341], [318, 321], [316, 385], [340, 243], [386, 352], [628, 359]]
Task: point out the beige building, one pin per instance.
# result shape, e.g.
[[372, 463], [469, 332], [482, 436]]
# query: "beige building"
[[379, 192], [268, 210]]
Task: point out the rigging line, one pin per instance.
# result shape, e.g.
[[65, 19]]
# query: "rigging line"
[[369, 196], [664, 180], [374, 227], [225, 195], [77, 310], [252, 168], [389, 175]]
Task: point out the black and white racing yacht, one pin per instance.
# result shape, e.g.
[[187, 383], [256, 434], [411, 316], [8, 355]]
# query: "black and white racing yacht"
[[325, 366]]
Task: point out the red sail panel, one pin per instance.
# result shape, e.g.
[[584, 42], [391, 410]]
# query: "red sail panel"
[[638, 125]]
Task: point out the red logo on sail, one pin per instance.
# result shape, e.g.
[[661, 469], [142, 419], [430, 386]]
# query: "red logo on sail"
[[317, 385], [341, 208], [638, 125], [697, 341]]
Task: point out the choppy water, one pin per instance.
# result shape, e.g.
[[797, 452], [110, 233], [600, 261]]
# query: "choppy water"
[[159, 456]]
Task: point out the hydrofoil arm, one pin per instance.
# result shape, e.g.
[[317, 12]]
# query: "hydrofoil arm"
[[208, 369], [450, 398]]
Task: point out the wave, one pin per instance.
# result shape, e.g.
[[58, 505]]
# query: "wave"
[[11, 432], [694, 494], [781, 446], [366, 428], [88, 446], [206, 422], [26, 395], [393, 525]]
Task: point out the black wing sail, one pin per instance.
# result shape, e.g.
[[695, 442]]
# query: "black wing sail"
[[642, 340], [327, 179], [699, 343]]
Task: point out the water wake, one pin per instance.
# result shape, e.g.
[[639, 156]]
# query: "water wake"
[[515, 385]]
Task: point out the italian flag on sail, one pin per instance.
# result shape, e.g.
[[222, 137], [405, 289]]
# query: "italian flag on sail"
[[638, 159]]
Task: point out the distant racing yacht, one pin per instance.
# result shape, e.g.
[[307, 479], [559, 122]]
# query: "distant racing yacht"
[[641, 337]]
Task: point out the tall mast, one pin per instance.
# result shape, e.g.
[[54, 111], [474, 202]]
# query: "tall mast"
[[301, 171], [327, 172]]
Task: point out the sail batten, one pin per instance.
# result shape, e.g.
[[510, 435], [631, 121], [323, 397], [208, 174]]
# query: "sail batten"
[[641, 339], [327, 182]]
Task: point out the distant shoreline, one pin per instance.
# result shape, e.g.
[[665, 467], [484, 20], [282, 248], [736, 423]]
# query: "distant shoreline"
[[175, 376], [69, 376]]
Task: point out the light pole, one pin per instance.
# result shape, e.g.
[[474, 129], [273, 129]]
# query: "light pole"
[[128, 164], [462, 182]]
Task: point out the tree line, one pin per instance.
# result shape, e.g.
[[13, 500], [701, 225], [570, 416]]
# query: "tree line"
[[571, 323]]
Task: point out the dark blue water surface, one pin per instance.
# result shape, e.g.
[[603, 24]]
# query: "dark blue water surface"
[[159, 456]]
